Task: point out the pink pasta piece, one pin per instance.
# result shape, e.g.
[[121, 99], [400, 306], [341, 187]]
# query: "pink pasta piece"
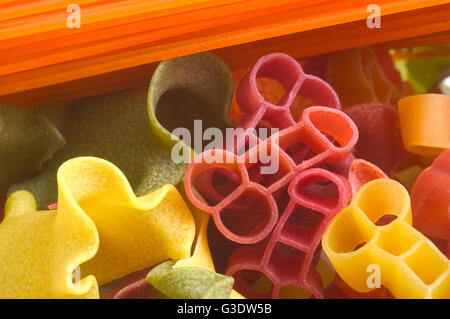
[[132, 286], [379, 141], [53, 206], [343, 167], [241, 197], [139, 289], [362, 172], [316, 195], [334, 292], [430, 198], [288, 72], [316, 65]]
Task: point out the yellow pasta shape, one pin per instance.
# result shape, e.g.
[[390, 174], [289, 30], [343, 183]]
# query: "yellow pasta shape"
[[99, 224], [410, 265]]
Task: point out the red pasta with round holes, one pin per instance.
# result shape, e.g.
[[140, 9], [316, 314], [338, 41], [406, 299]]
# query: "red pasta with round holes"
[[286, 257]]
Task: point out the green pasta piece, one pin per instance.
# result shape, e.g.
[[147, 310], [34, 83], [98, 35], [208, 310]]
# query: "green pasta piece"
[[27, 141], [189, 282], [132, 129], [425, 73]]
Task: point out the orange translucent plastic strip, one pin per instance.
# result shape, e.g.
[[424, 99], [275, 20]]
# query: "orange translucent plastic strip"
[[91, 13], [57, 52], [344, 36], [93, 19], [32, 7], [90, 86], [48, 41], [334, 37], [425, 40], [120, 14], [5, 2], [109, 82], [335, 12]]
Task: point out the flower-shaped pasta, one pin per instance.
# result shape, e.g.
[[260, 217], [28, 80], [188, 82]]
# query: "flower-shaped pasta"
[[288, 72], [241, 197]]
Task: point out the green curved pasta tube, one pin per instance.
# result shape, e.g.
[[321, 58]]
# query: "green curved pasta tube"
[[189, 282], [27, 141], [132, 129]]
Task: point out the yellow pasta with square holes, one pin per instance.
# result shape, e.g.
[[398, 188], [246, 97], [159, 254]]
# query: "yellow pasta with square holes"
[[99, 224], [410, 265]]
